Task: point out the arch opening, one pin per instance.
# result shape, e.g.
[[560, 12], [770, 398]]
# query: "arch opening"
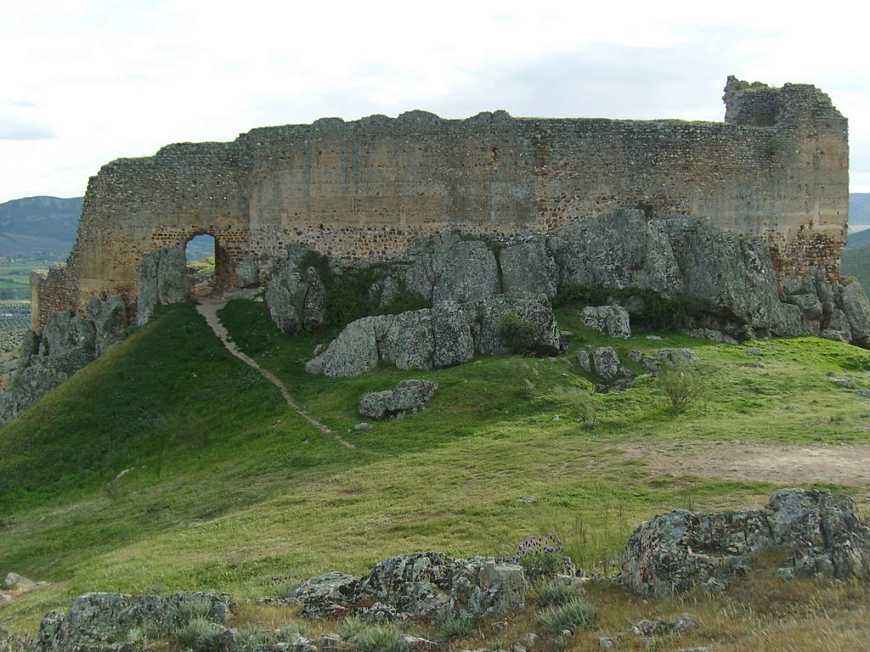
[[201, 255]]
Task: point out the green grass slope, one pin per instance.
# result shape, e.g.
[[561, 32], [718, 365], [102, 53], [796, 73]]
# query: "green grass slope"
[[228, 489]]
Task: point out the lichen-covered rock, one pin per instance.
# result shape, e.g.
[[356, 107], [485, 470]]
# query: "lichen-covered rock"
[[327, 595], [451, 267], [655, 361], [19, 583], [680, 550], [488, 317], [109, 317], [451, 334], [353, 352], [295, 295], [622, 250], [612, 320], [406, 340], [857, 310], [407, 397], [602, 361], [67, 333], [247, 272], [528, 268], [97, 621], [162, 281]]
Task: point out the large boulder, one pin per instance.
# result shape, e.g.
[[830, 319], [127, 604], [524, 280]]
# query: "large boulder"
[[407, 397], [622, 250], [678, 551], [295, 294], [353, 352], [856, 307], [327, 595], [611, 320], [529, 268], [451, 267], [451, 332], [162, 281], [406, 340], [489, 317]]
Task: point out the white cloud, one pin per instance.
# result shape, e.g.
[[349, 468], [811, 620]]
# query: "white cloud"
[[122, 79]]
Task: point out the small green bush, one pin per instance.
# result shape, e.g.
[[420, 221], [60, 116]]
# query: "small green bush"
[[455, 627], [542, 564], [517, 333], [682, 385], [555, 593], [251, 638], [573, 615], [364, 637], [200, 635]]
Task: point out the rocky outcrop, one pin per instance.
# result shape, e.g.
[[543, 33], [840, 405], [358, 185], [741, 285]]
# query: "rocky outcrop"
[[421, 585], [678, 551], [68, 342], [162, 281], [295, 294], [452, 267], [610, 320], [97, 621], [444, 335], [529, 268], [655, 361], [408, 397]]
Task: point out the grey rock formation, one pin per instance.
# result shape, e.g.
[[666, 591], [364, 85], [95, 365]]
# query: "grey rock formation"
[[407, 397], [603, 362], [445, 335], [95, 621], [162, 281], [295, 297], [451, 333], [247, 272], [451, 267], [327, 595], [680, 550], [529, 268], [856, 307], [109, 317], [655, 361], [16, 582], [488, 316], [611, 320]]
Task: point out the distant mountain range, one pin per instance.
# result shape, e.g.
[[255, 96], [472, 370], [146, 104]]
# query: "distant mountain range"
[[45, 227]]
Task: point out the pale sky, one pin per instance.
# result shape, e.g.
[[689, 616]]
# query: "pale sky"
[[84, 82]]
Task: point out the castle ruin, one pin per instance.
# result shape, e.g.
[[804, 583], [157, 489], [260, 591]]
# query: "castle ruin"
[[777, 167]]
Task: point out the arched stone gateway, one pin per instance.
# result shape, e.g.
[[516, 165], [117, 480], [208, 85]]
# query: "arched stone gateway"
[[777, 167]]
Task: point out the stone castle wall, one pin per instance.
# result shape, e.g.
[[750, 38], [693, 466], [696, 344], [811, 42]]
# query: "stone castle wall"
[[777, 167]]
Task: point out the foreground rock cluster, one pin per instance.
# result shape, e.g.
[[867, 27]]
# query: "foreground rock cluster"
[[814, 532]]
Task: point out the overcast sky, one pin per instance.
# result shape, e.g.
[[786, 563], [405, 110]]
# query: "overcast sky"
[[84, 82]]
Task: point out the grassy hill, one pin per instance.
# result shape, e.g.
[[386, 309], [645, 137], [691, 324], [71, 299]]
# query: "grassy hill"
[[43, 227], [229, 490]]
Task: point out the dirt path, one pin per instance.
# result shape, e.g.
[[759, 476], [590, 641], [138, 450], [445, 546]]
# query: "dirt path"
[[209, 308]]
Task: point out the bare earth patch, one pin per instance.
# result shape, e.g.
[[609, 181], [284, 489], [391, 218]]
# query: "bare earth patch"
[[847, 465]]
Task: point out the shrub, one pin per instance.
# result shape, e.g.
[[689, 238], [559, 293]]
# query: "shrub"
[[251, 638], [542, 564], [573, 615], [199, 635], [455, 627], [517, 333], [364, 637], [682, 385], [556, 593]]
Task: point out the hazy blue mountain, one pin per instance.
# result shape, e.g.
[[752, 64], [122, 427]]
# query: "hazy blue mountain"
[[39, 226], [859, 208]]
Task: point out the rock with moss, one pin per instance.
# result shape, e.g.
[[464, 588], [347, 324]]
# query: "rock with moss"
[[529, 268], [162, 281], [488, 318], [450, 267], [295, 294], [611, 320], [856, 308], [109, 317], [406, 340], [451, 333], [327, 595], [820, 534], [408, 397], [101, 621], [352, 353]]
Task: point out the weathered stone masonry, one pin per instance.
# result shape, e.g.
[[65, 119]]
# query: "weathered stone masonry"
[[777, 167]]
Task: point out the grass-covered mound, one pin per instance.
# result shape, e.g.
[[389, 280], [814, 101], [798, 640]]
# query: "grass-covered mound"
[[229, 490]]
